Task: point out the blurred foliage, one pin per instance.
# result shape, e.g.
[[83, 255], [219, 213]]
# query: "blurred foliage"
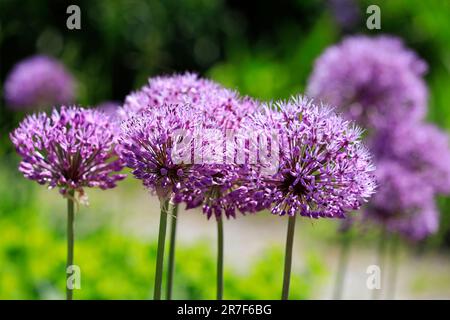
[[114, 266], [118, 266]]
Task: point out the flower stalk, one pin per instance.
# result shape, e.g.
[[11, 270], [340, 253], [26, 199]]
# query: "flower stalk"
[[171, 262], [288, 258], [70, 242], [219, 258], [160, 254]]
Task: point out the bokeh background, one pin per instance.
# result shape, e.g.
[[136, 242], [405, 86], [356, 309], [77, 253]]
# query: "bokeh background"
[[263, 49]]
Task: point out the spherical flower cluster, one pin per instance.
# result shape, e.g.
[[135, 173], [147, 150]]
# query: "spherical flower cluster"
[[38, 82], [71, 149], [213, 187], [148, 146], [418, 225], [376, 81], [215, 110], [414, 165], [222, 105], [324, 170], [404, 203], [421, 148]]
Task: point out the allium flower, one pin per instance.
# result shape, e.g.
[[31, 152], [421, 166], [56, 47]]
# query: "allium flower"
[[147, 146], [421, 148], [216, 188], [375, 81], [346, 13], [71, 149], [403, 203], [188, 89], [204, 111], [157, 145], [419, 224], [38, 82], [324, 169], [221, 110]]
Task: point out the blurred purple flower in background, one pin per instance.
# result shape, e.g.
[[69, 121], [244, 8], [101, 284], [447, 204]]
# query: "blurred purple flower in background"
[[375, 81], [39, 82], [110, 108], [345, 12], [421, 148], [404, 203], [378, 82], [71, 149]]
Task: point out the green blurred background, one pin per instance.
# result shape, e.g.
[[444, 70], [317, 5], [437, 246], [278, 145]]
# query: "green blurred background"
[[263, 49]]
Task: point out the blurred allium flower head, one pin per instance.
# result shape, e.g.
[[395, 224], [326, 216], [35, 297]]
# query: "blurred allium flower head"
[[110, 108], [39, 82], [419, 224], [421, 148], [375, 81], [71, 149], [324, 169], [346, 13], [403, 203], [112, 111]]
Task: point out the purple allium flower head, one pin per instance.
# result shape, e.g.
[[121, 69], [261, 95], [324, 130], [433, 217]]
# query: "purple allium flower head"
[[209, 184], [71, 149], [420, 224], [421, 148], [188, 89], [375, 81], [147, 146], [39, 82], [403, 203], [212, 187], [324, 170]]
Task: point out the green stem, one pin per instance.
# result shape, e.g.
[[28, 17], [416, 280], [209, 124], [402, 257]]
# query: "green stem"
[[160, 255], [219, 258], [380, 262], [343, 263], [171, 266], [394, 268], [288, 258], [70, 242]]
